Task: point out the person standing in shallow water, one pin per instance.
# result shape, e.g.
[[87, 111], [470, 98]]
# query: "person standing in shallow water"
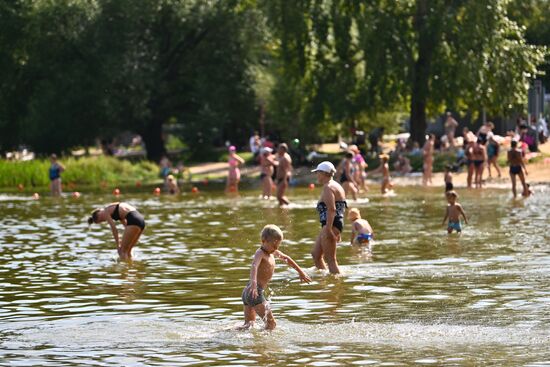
[[331, 207], [263, 267], [517, 167], [479, 157], [55, 171], [428, 155], [284, 169], [234, 173], [131, 219], [267, 164]]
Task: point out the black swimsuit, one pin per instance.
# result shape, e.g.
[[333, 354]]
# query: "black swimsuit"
[[116, 214], [341, 206], [133, 218], [515, 170], [343, 177]]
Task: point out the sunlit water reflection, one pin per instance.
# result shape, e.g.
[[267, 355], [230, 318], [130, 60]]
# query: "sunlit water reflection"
[[422, 297]]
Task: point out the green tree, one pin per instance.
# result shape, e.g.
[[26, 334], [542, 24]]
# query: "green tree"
[[86, 69], [13, 17], [534, 16], [341, 59]]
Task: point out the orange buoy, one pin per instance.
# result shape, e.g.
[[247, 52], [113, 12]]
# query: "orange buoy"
[[76, 195], [20, 187], [35, 196], [195, 189], [311, 186], [116, 192], [156, 191]]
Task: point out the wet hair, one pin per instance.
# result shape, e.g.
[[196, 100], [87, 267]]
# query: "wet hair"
[[451, 193], [448, 167], [53, 156], [514, 143], [271, 233], [93, 217], [349, 154]]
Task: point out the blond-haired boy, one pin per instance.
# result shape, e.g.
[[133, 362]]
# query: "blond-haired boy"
[[263, 267]]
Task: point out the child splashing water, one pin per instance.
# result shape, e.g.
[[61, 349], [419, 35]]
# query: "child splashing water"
[[263, 267]]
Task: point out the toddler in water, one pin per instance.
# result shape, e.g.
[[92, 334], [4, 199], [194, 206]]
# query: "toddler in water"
[[172, 185], [453, 212], [263, 267], [361, 231]]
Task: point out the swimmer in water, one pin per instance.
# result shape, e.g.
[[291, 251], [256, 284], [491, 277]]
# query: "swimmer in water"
[[131, 219], [263, 267]]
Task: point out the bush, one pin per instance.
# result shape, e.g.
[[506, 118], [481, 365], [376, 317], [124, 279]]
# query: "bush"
[[80, 171]]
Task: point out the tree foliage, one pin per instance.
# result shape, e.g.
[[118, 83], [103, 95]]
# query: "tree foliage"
[[344, 58], [92, 68], [73, 71]]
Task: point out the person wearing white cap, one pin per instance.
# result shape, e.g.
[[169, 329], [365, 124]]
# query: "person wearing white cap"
[[267, 162], [331, 207]]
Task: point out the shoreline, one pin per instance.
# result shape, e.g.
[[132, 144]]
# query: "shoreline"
[[539, 174]]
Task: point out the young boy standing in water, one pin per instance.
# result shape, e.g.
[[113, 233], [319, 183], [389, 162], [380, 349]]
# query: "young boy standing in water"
[[263, 267], [454, 210]]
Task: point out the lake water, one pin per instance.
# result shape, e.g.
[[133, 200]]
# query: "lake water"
[[422, 298]]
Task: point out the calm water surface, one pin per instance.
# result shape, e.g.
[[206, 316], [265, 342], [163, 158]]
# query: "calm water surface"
[[422, 298]]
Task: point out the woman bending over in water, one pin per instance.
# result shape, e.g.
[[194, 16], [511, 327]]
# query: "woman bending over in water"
[[131, 219]]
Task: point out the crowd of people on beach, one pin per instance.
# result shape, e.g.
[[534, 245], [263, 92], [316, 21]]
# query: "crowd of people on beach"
[[476, 153]]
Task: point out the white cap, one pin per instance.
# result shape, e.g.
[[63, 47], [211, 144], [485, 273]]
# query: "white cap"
[[326, 167], [266, 150]]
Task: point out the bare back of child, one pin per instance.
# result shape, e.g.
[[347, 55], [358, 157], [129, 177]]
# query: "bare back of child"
[[361, 230]]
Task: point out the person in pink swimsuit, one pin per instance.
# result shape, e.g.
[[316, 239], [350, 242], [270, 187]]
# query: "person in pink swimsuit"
[[234, 174]]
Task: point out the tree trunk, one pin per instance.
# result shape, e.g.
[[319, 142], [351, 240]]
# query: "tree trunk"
[[428, 38], [418, 104], [153, 139]]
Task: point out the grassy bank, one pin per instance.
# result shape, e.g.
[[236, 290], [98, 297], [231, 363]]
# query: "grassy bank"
[[87, 171]]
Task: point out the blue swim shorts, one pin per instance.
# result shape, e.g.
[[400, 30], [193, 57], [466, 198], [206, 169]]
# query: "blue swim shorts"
[[363, 238], [454, 225]]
